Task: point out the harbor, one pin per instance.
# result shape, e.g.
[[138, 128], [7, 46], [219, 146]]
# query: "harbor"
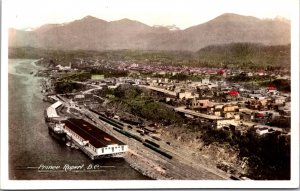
[[32, 146]]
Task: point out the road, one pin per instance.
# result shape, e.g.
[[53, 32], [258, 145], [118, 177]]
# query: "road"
[[197, 114], [159, 90], [90, 90], [87, 84]]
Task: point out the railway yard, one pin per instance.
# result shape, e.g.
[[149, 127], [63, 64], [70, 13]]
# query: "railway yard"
[[148, 153]]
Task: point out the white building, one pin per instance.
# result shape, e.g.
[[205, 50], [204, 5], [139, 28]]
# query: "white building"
[[93, 141], [187, 95], [224, 122], [51, 111]]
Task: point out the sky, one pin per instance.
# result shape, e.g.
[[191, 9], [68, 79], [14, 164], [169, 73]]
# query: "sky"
[[22, 14]]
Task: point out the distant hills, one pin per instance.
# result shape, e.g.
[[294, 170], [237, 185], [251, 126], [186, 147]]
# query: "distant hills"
[[90, 33], [246, 55]]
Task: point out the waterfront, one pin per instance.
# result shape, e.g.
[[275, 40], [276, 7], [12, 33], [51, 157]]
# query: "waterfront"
[[30, 145]]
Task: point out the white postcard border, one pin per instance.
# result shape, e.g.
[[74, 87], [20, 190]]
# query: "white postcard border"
[[71, 184]]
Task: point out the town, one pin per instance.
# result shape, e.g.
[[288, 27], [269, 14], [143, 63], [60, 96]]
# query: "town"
[[173, 116]]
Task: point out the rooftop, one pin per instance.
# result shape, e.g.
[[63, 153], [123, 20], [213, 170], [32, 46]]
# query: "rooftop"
[[56, 104], [94, 135], [51, 112]]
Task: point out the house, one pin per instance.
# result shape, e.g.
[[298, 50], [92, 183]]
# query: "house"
[[256, 96], [230, 108], [198, 103], [231, 111], [153, 82], [250, 74], [271, 90], [236, 116], [187, 95], [286, 109], [221, 73], [218, 109], [262, 117], [79, 97], [262, 130], [232, 95], [246, 114], [262, 104], [205, 81], [259, 115], [219, 123], [279, 100], [213, 85]]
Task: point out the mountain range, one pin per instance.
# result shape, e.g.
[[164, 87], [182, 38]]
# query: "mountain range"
[[90, 33]]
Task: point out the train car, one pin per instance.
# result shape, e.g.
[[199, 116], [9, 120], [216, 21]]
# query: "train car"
[[149, 129], [164, 153], [152, 143], [130, 135], [111, 122], [156, 138]]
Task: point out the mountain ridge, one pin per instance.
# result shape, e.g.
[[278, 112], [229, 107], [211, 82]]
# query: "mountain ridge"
[[97, 34]]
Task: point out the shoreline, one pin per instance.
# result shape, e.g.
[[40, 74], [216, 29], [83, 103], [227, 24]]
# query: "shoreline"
[[39, 133]]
